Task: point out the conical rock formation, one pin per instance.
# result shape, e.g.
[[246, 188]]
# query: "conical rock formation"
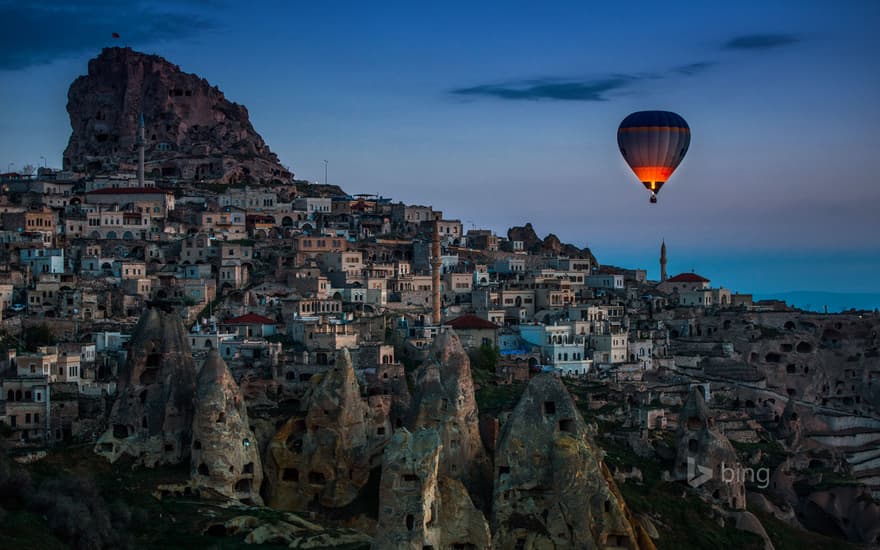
[[704, 456], [225, 456], [444, 401], [420, 508], [151, 418], [324, 457], [551, 489]]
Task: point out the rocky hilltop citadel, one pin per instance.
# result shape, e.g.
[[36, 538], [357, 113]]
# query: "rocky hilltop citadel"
[[284, 364], [192, 132]]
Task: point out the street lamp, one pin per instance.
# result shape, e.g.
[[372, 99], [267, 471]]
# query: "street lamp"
[[325, 172]]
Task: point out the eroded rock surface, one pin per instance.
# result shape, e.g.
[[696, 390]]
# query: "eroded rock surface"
[[151, 418], [225, 455], [551, 488], [324, 457], [443, 400], [848, 511], [417, 506], [704, 456], [192, 131]]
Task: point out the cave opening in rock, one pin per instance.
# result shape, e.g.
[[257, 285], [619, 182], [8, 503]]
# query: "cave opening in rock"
[[804, 347], [549, 407], [216, 530]]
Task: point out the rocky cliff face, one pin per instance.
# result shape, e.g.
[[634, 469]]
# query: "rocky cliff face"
[[551, 490], [444, 401], [704, 456], [225, 456], [550, 245], [325, 457], [850, 511], [417, 506], [151, 418], [192, 131]]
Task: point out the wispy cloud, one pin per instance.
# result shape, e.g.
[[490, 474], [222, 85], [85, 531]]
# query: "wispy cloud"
[[603, 88], [760, 41], [554, 89], [37, 33], [693, 69], [573, 89]]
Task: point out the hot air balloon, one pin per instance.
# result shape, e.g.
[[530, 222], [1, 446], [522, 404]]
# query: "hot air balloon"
[[653, 144]]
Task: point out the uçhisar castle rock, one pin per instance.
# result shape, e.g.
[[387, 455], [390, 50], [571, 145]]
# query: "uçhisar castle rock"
[[151, 419], [323, 458], [225, 456], [192, 132], [551, 488]]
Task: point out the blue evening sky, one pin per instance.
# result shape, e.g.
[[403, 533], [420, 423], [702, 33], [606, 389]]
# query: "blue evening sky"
[[500, 113]]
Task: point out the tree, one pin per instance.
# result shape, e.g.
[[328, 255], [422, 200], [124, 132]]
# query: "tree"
[[38, 335], [486, 357]]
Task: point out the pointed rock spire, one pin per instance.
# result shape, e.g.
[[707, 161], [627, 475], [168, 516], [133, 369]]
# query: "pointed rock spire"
[[225, 456], [551, 487], [151, 418]]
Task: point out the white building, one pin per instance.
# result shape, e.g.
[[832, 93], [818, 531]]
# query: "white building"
[[642, 352], [608, 281], [510, 265], [609, 348], [313, 205], [561, 347]]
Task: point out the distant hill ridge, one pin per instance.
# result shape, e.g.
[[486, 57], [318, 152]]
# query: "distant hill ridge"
[[818, 300]]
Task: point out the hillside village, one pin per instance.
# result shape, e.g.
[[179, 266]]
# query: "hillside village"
[[283, 277], [379, 368]]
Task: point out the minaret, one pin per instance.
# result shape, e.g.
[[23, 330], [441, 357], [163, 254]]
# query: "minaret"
[[663, 261], [140, 146], [435, 269]]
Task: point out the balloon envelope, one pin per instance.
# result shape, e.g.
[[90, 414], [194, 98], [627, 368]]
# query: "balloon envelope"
[[653, 143]]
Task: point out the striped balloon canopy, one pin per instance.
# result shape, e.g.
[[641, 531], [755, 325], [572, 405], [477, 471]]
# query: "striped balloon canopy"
[[653, 143]]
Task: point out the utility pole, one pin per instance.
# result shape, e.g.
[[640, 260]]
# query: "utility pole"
[[325, 172]]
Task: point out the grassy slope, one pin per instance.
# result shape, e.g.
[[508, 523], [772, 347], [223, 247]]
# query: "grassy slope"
[[170, 523]]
